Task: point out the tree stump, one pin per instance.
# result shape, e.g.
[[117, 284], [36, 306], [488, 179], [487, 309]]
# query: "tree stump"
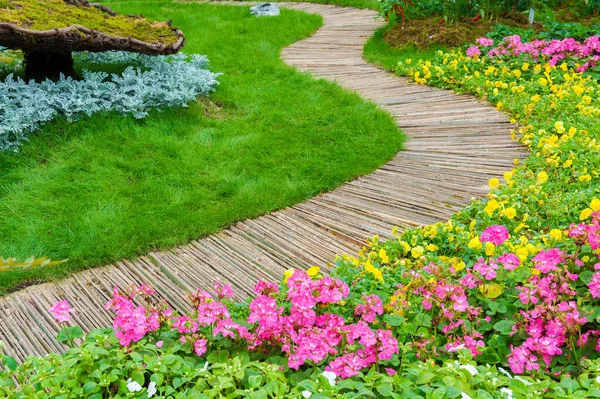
[[48, 31]]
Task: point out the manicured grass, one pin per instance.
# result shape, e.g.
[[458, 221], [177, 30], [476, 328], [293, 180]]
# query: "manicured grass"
[[112, 187]]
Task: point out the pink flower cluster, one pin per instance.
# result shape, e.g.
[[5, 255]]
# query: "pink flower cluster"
[[495, 234], [61, 311], [132, 322], [448, 301], [553, 50], [305, 332], [305, 335]]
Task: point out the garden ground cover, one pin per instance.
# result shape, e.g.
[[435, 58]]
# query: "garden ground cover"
[[509, 286], [111, 187]]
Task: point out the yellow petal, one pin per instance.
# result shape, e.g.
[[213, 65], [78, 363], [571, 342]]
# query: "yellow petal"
[[313, 271], [491, 290], [595, 205], [494, 182], [287, 274], [585, 214]]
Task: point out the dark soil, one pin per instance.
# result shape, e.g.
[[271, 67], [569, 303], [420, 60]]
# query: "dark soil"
[[427, 32]]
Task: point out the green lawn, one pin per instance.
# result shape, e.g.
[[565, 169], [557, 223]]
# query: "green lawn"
[[112, 187]]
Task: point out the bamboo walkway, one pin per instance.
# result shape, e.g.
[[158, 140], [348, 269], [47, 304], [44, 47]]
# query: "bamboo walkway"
[[455, 144]]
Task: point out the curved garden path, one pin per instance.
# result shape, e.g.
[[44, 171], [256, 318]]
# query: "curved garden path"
[[455, 144]]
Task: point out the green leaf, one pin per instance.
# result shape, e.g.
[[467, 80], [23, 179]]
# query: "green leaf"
[[393, 319], [10, 362], [570, 384], [504, 326], [385, 389], [89, 387], [423, 319], [254, 381], [68, 333]]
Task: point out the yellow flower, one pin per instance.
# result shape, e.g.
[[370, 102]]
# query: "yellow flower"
[[584, 178], [458, 264], [522, 253], [313, 271], [417, 252], [517, 73], [542, 177], [475, 243], [559, 126], [432, 247], [491, 207], [510, 212], [472, 224], [595, 205], [556, 234], [383, 255], [585, 214], [494, 182], [568, 163], [519, 227], [287, 274], [490, 249]]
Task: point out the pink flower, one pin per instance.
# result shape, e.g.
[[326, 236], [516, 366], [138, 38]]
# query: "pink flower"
[[594, 285], [510, 261], [485, 42], [159, 344], [495, 234], [473, 51], [370, 309], [487, 271], [390, 372], [547, 261], [521, 359], [200, 347], [223, 291], [61, 311]]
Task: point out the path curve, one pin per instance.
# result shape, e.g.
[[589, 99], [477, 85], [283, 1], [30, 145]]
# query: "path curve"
[[455, 144]]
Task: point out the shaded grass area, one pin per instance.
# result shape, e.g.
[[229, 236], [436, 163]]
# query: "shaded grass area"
[[381, 53], [112, 187]]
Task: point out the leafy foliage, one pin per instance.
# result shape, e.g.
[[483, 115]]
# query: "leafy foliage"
[[152, 82]]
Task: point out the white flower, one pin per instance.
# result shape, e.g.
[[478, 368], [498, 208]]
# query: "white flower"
[[133, 386], [464, 396], [330, 377], [524, 381], [506, 373], [306, 394], [471, 369], [508, 392], [151, 389]]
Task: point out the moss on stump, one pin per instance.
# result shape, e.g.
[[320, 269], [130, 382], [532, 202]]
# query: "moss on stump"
[[47, 31]]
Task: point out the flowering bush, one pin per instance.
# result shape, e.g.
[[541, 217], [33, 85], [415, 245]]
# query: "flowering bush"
[[587, 53]]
